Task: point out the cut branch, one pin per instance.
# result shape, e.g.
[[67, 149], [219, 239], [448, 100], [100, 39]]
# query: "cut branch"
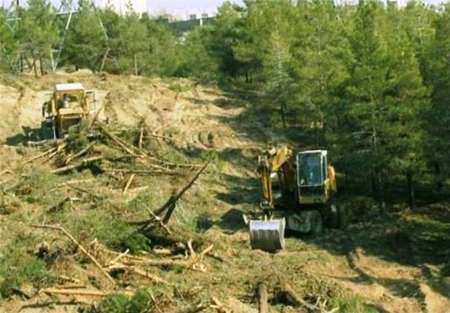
[[83, 163], [128, 184], [77, 155], [68, 235]]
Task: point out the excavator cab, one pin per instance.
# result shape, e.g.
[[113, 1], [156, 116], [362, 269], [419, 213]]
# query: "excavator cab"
[[312, 168]]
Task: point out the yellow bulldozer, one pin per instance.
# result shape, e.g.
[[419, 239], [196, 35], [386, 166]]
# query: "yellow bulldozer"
[[69, 105], [298, 193]]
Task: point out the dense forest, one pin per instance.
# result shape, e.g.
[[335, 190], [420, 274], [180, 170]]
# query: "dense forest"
[[370, 82]]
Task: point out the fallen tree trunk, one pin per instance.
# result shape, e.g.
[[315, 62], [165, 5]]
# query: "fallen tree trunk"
[[296, 300], [262, 298], [76, 292], [141, 172], [70, 158], [83, 163], [118, 141], [170, 204], [41, 155]]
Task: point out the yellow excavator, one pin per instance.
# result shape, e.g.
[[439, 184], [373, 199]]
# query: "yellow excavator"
[[297, 194], [69, 105]]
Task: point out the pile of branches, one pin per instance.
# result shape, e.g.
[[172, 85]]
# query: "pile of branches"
[[97, 145], [103, 151]]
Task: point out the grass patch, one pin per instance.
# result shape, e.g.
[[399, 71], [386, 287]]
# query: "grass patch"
[[39, 187], [140, 302], [19, 266], [353, 304], [106, 227], [179, 88]]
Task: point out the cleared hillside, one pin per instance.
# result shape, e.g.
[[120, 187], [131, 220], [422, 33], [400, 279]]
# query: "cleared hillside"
[[391, 261]]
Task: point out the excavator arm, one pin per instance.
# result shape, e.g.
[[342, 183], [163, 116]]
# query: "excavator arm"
[[275, 161], [269, 234]]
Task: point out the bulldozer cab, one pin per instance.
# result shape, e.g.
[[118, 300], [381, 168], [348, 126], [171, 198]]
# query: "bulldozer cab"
[[70, 96], [67, 107], [312, 173]]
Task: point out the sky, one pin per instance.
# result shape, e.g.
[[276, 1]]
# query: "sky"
[[185, 7], [179, 8]]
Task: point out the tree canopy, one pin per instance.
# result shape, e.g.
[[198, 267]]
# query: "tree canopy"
[[370, 82]]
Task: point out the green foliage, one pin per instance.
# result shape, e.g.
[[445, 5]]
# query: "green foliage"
[[86, 41], [37, 31], [370, 83], [109, 229], [19, 266], [352, 304], [140, 302], [77, 138], [113, 304], [179, 88], [39, 187]]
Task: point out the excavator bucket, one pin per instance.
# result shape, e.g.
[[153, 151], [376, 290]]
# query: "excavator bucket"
[[267, 235]]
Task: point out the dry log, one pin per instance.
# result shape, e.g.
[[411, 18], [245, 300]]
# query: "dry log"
[[41, 155], [172, 202], [37, 143], [148, 275], [194, 308], [50, 156], [262, 298], [117, 258], [295, 300], [70, 158], [78, 181], [76, 166], [160, 222], [76, 292], [219, 306], [51, 303], [68, 235], [69, 279], [162, 251], [128, 184], [141, 138], [118, 141], [161, 262], [160, 171], [72, 286]]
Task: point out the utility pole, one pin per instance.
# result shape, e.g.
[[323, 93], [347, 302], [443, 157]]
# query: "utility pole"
[[67, 10]]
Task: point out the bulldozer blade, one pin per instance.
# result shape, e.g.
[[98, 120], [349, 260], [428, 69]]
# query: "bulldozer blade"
[[267, 235]]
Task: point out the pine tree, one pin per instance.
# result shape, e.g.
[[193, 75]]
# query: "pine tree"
[[8, 44], [37, 32], [437, 120], [131, 42], [385, 97], [87, 40]]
